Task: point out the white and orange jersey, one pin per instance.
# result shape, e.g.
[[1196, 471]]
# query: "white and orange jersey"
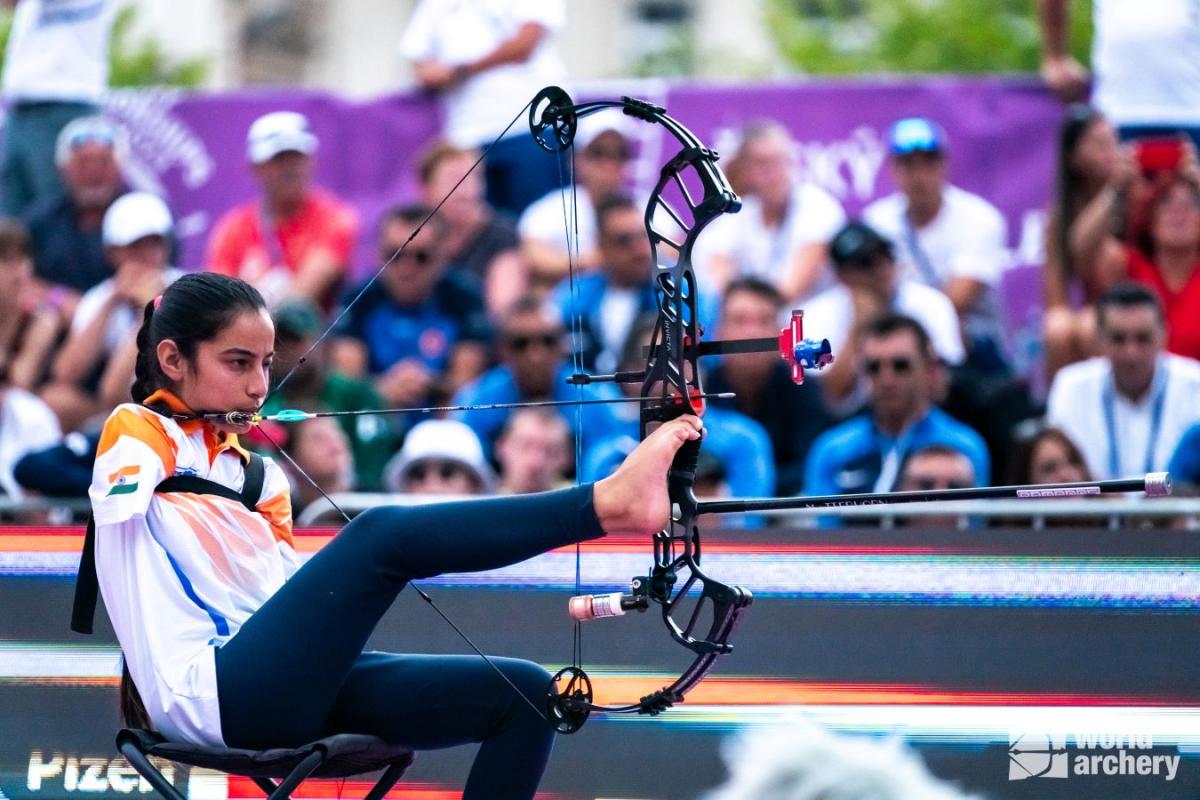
[[181, 572]]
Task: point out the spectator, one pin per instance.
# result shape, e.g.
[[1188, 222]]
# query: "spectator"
[[26, 426], [1184, 465], [1147, 65], [561, 229], [533, 366], [94, 369], [60, 470], [373, 438], [608, 302], [782, 233], [804, 761], [868, 285], [440, 457], [735, 446], [68, 251], [1048, 456], [533, 452], [1166, 258], [323, 462], [420, 329], [485, 60], [477, 240], [866, 453], [29, 329], [1127, 409], [55, 71], [792, 415], [296, 240], [936, 468], [947, 238], [1083, 252]]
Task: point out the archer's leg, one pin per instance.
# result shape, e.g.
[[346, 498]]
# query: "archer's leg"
[[278, 676], [430, 702], [302, 642]]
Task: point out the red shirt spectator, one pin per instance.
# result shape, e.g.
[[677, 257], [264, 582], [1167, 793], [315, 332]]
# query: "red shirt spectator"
[[1182, 306], [297, 240]]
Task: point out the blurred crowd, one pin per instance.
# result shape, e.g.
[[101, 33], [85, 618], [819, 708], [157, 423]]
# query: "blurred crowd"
[[478, 304]]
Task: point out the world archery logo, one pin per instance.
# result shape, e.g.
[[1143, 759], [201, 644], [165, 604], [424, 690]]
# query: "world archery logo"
[[123, 481], [1037, 755]]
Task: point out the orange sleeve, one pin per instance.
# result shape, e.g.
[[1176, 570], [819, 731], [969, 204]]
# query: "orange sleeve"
[[277, 510], [146, 427]]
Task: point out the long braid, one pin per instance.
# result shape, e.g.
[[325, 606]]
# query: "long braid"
[[146, 374]]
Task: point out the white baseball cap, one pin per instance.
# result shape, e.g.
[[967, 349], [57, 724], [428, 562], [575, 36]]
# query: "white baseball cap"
[[135, 216], [279, 132], [441, 440]]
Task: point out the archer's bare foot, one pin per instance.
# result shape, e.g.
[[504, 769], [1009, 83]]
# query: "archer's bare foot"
[[634, 498]]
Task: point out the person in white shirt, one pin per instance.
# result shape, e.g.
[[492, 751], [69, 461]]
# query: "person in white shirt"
[[55, 71], [1146, 60], [782, 232], [602, 171], [1127, 409], [945, 237], [94, 369], [487, 59], [867, 285], [26, 426]]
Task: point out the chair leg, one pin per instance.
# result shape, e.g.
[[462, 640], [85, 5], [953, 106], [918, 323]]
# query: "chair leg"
[[305, 768], [137, 759], [386, 781]]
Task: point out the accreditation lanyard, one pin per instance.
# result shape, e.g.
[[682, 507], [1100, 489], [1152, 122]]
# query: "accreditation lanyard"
[[1110, 421], [923, 262]]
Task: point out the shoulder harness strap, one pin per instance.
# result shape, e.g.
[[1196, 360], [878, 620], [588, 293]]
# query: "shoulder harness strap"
[[83, 611]]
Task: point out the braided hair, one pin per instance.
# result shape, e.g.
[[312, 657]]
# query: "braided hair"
[[193, 309]]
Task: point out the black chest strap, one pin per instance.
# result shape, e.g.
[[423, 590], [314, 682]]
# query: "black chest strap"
[[87, 588]]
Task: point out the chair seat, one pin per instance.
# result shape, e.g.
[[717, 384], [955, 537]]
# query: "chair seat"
[[342, 755]]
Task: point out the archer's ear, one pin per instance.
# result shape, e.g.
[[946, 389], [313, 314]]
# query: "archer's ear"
[[170, 360]]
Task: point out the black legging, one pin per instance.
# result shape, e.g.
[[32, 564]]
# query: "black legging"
[[296, 671]]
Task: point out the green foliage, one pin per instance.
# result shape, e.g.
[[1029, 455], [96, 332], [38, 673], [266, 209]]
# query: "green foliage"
[[139, 62], [902, 36]]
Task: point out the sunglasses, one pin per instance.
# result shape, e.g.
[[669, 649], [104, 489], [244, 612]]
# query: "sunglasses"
[[445, 470], [900, 366], [422, 258], [926, 484], [522, 342]]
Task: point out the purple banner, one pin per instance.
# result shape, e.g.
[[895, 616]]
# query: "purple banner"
[[192, 146]]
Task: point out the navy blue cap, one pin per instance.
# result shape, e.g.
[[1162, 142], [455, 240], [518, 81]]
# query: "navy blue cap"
[[916, 135]]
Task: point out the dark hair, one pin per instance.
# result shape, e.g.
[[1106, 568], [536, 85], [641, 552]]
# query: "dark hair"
[[133, 710], [193, 309], [1021, 465], [857, 243], [609, 206], [755, 286], [890, 322], [413, 215], [1128, 294], [1080, 117]]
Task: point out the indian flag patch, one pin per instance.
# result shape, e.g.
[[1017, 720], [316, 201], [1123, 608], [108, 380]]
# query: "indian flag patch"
[[123, 481]]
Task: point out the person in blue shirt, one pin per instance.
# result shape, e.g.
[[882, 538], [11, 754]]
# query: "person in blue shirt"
[[534, 366], [421, 330], [867, 453], [1184, 465], [609, 301]]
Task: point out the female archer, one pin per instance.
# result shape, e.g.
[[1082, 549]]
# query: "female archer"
[[230, 641]]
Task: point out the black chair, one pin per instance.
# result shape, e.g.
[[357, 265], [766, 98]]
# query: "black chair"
[[277, 772]]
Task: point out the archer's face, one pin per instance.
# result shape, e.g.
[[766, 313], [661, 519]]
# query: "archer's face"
[[229, 372]]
